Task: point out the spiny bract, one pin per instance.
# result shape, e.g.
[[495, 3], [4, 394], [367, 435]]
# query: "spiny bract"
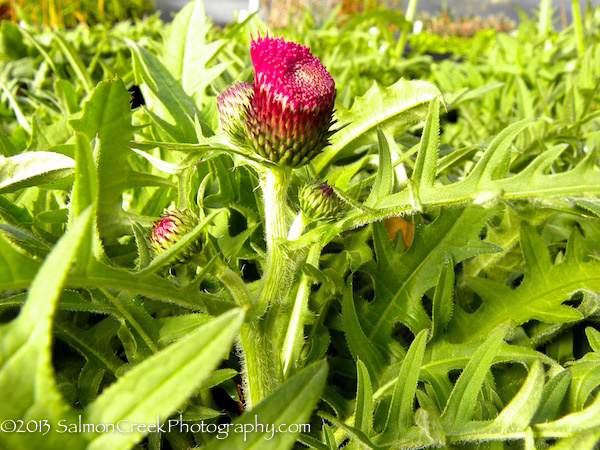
[[318, 201]]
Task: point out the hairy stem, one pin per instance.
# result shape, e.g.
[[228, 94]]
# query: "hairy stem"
[[295, 330], [276, 277], [260, 365], [260, 340]]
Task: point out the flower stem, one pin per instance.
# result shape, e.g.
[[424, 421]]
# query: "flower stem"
[[260, 340], [295, 331], [277, 276], [260, 365]]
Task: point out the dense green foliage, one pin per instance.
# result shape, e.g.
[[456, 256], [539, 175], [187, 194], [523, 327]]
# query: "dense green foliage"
[[489, 316], [68, 13]]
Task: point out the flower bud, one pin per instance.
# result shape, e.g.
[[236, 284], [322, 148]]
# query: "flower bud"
[[290, 110], [292, 106], [169, 229], [318, 201], [233, 104]]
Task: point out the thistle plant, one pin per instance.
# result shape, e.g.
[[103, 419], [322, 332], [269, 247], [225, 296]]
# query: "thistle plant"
[[285, 117]]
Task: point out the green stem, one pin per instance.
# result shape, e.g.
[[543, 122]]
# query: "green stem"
[[260, 339], [410, 15], [276, 278], [578, 25], [295, 330], [260, 366]]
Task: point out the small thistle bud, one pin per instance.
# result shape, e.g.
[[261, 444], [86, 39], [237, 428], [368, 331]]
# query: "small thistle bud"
[[169, 229], [318, 201], [233, 104]]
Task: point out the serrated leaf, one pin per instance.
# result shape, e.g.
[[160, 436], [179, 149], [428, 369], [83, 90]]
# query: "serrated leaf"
[[384, 181], [142, 245], [187, 50], [393, 109], [363, 414], [107, 117], [168, 104], [85, 187], [424, 172], [442, 298], [402, 279], [583, 420], [400, 414], [176, 327], [518, 414], [539, 296], [25, 359], [552, 396], [358, 342]]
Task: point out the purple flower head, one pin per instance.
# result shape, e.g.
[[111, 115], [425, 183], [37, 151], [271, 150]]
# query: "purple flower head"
[[290, 110]]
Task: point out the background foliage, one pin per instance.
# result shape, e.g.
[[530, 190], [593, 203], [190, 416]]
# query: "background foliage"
[[484, 309]]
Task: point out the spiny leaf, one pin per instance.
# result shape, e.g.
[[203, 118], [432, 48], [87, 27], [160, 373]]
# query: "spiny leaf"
[[107, 116], [384, 182], [393, 109], [359, 344], [363, 415], [400, 414], [168, 104], [424, 172], [552, 396], [583, 420], [442, 298], [25, 359], [539, 296], [402, 279], [518, 414]]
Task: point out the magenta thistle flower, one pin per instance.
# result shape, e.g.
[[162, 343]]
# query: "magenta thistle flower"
[[169, 229], [318, 201], [290, 114]]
